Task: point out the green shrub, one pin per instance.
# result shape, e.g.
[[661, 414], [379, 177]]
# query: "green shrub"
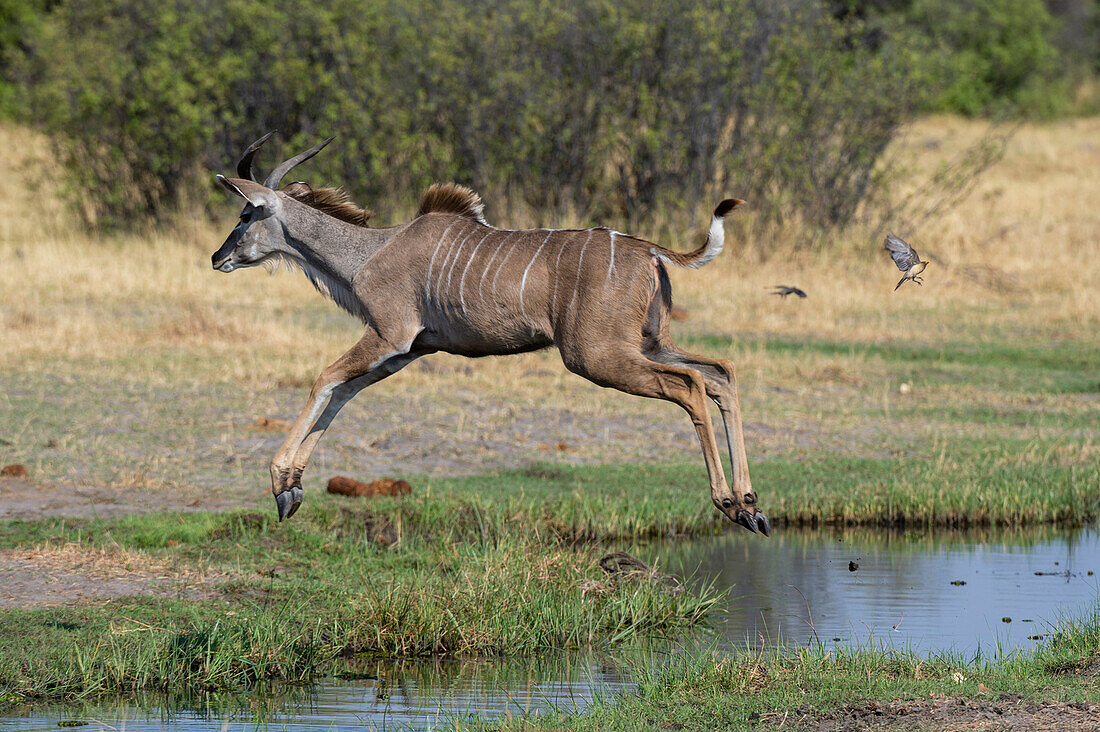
[[992, 55], [599, 110]]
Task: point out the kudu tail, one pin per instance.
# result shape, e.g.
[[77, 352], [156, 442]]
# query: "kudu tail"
[[712, 247]]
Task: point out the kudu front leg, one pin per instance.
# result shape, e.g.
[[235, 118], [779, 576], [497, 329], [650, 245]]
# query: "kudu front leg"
[[344, 394], [368, 362], [286, 478]]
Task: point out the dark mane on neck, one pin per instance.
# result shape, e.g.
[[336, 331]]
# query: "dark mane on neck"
[[332, 201]]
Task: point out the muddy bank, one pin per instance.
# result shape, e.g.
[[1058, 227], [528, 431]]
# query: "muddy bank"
[[1001, 713]]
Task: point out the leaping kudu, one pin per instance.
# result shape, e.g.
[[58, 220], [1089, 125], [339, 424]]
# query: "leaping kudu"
[[447, 281]]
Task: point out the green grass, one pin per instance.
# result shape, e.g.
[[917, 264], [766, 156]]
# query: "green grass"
[[1058, 367], [710, 690], [487, 565], [505, 562], [338, 580]]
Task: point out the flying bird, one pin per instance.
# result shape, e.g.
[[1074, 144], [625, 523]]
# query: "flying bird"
[[784, 290], [907, 260]]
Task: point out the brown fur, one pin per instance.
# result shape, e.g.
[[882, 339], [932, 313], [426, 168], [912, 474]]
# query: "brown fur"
[[452, 198], [452, 283], [333, 201]]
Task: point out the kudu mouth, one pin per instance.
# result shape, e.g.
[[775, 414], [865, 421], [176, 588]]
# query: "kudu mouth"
[[224, 264]]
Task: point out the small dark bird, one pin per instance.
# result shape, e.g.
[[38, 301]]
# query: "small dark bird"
[[907, 260], [852, 566], [784, 290]]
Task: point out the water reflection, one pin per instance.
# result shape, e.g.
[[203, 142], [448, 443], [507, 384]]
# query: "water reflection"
[[371, 695], [928, 592], [924, 591]]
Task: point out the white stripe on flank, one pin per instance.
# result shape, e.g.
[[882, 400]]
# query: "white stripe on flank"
[[523, 282], [456, 246], [487, 264], [462, 279], [611, 264], [500, 267], [454, 262], [580, 261], [428, 281]]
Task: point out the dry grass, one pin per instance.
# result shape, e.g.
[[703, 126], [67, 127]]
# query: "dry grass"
[[1020, 252], [92, 562], [1020, 258]]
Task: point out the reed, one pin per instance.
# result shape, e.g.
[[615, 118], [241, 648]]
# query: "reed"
[[819, 687]]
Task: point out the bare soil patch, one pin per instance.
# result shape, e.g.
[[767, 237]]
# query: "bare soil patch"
[[28, 500], [71, 573], [1001, 713]]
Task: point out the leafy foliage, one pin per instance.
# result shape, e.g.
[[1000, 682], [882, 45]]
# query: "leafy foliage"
[[993, 54], [605, 110]]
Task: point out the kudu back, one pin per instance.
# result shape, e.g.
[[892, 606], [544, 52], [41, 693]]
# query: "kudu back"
[[448, 281]]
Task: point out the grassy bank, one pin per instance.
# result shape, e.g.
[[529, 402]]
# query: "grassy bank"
[[237, 598], [815, 688], [489, 565], [131, 386]]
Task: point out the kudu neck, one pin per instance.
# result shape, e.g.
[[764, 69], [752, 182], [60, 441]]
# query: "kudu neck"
[[331, 251]]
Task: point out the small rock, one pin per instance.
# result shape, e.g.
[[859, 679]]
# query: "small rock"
[[905, 388], [15, 470], [344, 486]]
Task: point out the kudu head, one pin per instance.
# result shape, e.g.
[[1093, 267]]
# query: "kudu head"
[[261, 233]]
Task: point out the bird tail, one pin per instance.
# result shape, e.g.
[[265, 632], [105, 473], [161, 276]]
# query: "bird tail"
[[899, 283]]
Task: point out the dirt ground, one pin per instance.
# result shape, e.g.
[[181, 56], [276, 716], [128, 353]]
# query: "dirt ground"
[[187, 447], [70, 573], [998, 714], [28, 500]]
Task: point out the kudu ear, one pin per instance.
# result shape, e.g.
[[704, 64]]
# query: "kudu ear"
[[250, 191]]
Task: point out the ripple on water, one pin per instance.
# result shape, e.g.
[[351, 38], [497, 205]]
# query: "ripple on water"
[[929, 592], [925, 591]]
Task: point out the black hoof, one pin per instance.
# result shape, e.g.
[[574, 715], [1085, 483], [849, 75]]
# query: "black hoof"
[[762, 524], [288, 502], [747, 520]]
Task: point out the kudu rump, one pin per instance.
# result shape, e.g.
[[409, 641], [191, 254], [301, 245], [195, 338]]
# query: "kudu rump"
[[447, 281]]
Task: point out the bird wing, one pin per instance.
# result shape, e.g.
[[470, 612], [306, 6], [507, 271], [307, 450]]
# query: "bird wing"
[[904, 256]]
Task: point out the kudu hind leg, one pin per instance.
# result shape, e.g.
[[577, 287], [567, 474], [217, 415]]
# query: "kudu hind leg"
[[633, 373], [721, 386]]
